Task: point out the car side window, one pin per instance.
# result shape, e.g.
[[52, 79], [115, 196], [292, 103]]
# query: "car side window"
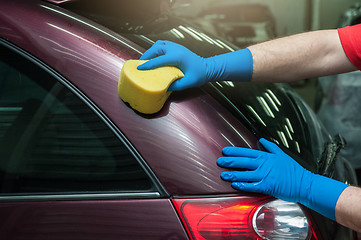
[[51, 141]]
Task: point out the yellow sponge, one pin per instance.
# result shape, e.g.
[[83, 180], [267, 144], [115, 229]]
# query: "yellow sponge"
[[146, 91]]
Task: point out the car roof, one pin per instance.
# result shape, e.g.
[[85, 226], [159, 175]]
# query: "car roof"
[[180, 144]]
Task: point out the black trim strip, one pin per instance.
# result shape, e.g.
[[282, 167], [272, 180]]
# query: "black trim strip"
[[78, 196]]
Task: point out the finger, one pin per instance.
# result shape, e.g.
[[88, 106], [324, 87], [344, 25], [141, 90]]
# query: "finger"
[[238, 162], [241, 176], [241, 152], [175, 86], [270, 146], [181, 84], [156, 63], [156, 50], [248, 187]]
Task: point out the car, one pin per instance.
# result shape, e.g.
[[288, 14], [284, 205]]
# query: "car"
[[76, 162]]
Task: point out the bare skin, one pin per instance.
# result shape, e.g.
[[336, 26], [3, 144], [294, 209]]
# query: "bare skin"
[[348, 208], [308, 55], [305, 55]]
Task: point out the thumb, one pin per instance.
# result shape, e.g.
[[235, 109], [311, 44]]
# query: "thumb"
[[182, 84], [270, 146]]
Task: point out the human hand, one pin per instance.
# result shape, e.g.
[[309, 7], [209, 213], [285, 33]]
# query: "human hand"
[[233, 66], [277, 174], [273, 173], [165, 53]]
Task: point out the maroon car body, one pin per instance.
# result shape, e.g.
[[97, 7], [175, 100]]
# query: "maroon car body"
[[91, 57], [96, 56], [177, 147]]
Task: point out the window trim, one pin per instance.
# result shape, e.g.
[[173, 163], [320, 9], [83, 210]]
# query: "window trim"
[[160, 190], [78, 196]]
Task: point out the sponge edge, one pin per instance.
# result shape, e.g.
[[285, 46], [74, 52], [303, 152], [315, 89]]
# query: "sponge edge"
[[146, 91]]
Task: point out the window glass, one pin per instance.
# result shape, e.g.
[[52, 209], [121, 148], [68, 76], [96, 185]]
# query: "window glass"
[[50, 141]]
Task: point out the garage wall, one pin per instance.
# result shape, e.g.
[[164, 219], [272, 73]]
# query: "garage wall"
[[292, 16], [289, 15], [330, 11], [295, 16]]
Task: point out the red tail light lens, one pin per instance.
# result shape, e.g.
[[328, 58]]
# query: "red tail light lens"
[[231, 218]]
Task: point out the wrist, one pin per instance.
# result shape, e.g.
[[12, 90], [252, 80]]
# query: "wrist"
[[233, 66], [321, 194]]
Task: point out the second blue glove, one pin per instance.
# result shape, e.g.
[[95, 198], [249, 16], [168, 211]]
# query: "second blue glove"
[[277, 174]]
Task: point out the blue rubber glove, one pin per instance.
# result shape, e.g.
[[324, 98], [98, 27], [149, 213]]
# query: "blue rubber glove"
[[277, 174], [233, 66]]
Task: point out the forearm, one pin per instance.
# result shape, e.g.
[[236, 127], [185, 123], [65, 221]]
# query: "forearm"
[[348, 208], [300, 56]]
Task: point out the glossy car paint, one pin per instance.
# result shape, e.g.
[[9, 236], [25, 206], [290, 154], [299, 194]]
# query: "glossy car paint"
[[106, 219], [267, 109], [91, 57]]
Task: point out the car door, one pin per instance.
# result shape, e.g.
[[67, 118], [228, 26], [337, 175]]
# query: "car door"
[[64, 172]]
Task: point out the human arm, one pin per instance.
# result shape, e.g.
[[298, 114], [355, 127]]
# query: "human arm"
[[286, 59], [275, 173], [300, 56], [348, 208]]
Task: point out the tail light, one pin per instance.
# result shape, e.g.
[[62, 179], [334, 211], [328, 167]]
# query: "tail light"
[[243, 218]]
